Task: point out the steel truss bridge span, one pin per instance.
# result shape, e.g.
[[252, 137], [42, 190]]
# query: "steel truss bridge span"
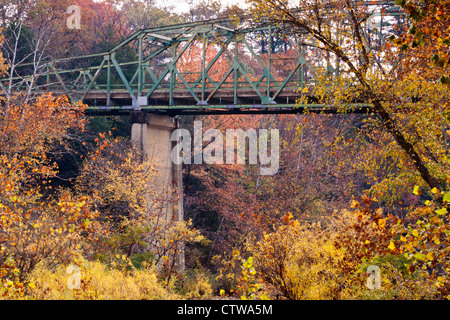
[[208, 67]]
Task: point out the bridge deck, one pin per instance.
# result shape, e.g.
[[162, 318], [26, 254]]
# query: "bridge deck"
[[249, 103]]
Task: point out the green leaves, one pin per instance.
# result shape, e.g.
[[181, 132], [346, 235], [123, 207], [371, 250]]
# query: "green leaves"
[[444, 80], [447, 197], [420, 256]]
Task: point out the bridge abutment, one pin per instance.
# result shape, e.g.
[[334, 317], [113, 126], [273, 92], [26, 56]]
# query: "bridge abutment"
[[152, 133]]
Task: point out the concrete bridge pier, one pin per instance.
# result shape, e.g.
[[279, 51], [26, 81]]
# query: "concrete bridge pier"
[[151, 133]]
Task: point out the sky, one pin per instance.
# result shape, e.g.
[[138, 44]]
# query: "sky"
[[182, 6]]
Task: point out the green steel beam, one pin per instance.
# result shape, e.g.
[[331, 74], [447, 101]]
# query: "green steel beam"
[[121, 75]]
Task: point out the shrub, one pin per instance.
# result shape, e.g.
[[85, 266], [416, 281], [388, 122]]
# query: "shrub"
[[300, 262], [98, 282]]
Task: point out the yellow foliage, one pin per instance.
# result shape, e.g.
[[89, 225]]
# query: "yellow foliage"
[[197, 287], [97, 282], [300, 262], [395, 285]]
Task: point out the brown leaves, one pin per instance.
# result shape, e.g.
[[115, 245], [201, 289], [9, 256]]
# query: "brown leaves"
[[368, 236], [428, 39]]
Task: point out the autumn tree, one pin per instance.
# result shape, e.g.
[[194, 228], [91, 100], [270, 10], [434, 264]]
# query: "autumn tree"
[[144, 15], [31, 29], [427, 41], [205, 10], [364, 73], [37, 225]]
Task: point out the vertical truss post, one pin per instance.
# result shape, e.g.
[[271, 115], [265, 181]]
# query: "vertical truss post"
[[300, 54], [172, 67], [140, 79], [108, 80], [268, 71], [236, 71], [203, 68], [301, 75], [144, 67]]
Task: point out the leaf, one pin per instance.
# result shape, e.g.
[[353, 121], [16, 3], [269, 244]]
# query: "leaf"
[[248, 264], [441, 211], [420, 256], [416, 190], [391, 245], [447, 197], [354, 204]]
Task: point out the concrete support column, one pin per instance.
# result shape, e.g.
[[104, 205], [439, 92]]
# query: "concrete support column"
[[152, 134]]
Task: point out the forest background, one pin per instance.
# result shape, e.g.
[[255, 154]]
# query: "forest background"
[[355, 192]]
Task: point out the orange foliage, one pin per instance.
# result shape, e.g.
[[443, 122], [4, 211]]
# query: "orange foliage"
[[190, 63]]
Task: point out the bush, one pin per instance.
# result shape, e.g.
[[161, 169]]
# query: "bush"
[[97, 282], [299, 262], [195, 284]]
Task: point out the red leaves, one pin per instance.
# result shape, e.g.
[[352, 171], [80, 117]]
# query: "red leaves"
[[287, 219]]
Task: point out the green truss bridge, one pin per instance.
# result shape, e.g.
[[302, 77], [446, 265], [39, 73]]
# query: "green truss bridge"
[[208, 67]]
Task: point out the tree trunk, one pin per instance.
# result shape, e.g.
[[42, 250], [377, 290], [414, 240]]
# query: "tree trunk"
[[405, 145]]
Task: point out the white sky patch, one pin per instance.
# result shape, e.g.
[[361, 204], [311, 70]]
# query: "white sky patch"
[[183, 6]]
